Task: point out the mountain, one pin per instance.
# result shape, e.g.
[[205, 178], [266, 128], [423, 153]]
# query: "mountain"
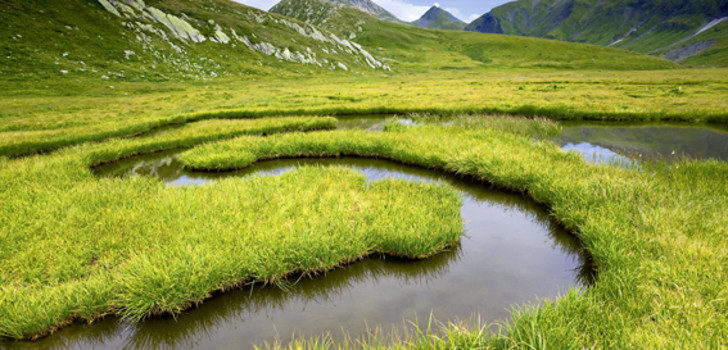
[[406, 48], [316, 11], [437, 18], [165, 40], [682, 30]]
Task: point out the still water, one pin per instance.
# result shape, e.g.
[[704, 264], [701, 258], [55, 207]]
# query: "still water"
[[512, 252], [624, 143]]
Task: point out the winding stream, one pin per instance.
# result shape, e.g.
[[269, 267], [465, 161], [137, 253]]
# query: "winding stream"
[[512, 253]]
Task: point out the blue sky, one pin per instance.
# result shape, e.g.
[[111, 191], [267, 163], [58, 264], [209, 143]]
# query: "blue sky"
[[410, 10]]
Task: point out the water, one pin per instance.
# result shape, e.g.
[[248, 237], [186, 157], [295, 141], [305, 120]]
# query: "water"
[[622, 143], [512, 253]]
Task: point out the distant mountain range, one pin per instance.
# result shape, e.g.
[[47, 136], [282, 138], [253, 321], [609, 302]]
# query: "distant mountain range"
[[694, 32], [316, 11], [675, 29], [160, 40], [437, 18]]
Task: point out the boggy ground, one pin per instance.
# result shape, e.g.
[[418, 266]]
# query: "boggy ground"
[[75, 246], [657, 234], [34, 118]]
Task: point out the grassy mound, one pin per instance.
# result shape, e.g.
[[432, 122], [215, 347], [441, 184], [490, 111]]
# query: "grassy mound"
[[79, 247], [657, 234]]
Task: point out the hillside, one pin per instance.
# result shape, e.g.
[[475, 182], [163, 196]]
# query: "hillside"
[[316, 11], [407, 48], [679, 30], [165, 39], [437, 18], [160, 40]]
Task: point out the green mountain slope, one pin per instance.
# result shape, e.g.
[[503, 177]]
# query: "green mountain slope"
[[164, 39], [647, 26], [316, 11], [133, 40], [409, 48], [437, 18]]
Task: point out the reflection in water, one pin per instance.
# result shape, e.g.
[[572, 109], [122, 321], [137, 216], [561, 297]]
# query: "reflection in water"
[[596, 154], [512, 253], [369, 123], [599, 141]]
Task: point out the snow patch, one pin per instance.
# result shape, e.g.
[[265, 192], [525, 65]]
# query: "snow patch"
[[711, 24]]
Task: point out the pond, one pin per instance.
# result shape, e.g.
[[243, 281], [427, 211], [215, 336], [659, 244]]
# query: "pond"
[[623, 143], [512, 252]]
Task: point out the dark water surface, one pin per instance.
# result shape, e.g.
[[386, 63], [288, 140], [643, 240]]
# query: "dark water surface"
[[512, 253], [622, 143]]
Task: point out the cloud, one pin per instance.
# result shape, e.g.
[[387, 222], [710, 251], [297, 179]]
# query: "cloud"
[[264, 5], [403, 10], [467, 19]]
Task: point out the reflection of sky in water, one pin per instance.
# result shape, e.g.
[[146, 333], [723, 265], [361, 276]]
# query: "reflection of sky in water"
[[599, 155], [512, 252], [644, 141]]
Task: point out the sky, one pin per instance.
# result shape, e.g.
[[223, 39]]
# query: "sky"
[[410, 10]]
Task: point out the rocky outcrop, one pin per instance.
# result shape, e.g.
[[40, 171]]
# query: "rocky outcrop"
[[145, 21], [683, 52]]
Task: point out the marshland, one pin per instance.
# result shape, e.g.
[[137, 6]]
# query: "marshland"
[[481, 191]]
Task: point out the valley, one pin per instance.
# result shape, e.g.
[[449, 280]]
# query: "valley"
[[200, 173]]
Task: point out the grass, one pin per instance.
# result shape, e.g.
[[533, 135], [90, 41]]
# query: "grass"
[[76, 247], [35, 142], [657, 235], [138, 248], [32, 121], [87, 247]]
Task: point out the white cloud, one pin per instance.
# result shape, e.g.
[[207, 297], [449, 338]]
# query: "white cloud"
[[264, 5], [403, 10], [467, 19]]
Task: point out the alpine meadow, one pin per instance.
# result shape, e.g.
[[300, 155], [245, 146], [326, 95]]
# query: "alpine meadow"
[[325, 175]]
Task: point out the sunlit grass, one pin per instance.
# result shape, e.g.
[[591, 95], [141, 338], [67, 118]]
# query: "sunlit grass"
[[656, 234], [74, 246], [36, 122], [138, 248]]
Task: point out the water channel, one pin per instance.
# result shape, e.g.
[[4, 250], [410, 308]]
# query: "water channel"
[[512, 253]]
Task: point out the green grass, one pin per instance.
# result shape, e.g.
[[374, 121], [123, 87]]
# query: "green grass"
[[657, 234], [409, 49], [29, 142], [717, 55], [32, 121], [79, 247]]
